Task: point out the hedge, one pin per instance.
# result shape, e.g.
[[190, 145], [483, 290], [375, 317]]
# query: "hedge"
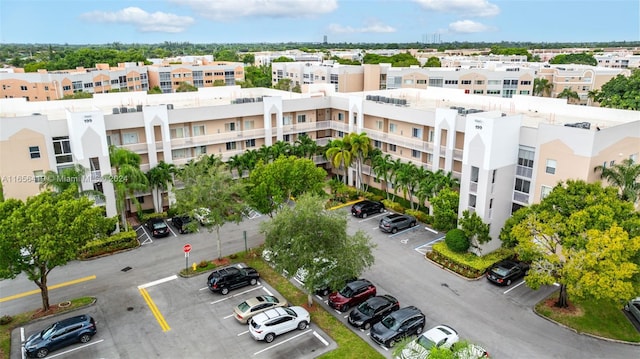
[[467, 264], [147, 216], [118, 241]]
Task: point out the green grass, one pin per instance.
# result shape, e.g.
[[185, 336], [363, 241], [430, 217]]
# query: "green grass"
[[24, 318], [600, 318]]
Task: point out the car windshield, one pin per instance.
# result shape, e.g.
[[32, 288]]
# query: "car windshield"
[[290, 311], [270, 299], [243, 306], [366, 309], [500, 271], [346, 292], [390, 322], [425, 342], [159, 225], [47, 332]]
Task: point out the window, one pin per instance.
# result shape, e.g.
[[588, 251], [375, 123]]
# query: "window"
[[493, 176], [479, 82], [38, 176], [287, 138], [429, 157], [451, 82], [478, 92], [231, 126], [393, 128], [250, 143], [545, 191], [493, 92], [302, 118], [524, 92], [379, 124], [416, 154], [180, 132], [62, 149], [180, 153], [231, 146], [435, 82], [522, 185], [129, 138], [525, 83], [612, 163], [416, 132], [341, 116], [200, 150], [113, 139], [248, 124], [431, 135], [421, 82], [377, 144], [525, 157], [23, 88], [465, 82], [475, 171], [198, 130], [340, 134], [392, 148], [472, 200], [494, 82], [34, 151], [515, 207], [287, 119], [551, 167]]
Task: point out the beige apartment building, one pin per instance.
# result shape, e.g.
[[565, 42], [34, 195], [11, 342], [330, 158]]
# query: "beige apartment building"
[[507, 152], [169, 76]]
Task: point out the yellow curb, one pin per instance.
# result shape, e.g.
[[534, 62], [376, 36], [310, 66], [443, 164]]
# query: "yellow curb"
[[344, 205]]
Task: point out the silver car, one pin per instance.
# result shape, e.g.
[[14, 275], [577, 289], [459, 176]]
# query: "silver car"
[[633, 307]]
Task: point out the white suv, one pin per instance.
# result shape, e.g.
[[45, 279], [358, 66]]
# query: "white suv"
[[267, 325]]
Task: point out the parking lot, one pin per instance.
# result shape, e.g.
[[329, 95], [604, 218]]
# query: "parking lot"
[[176, 317]]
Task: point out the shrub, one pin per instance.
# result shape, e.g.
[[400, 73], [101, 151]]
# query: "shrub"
[[172, 212], [6, 319], [420, 216], [457, 241], [147, 216], [441, 252], [203, 264], [394, 206], [116, 242]]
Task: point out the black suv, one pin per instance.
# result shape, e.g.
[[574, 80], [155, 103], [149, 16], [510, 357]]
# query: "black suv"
[[180, 222], [507, 271], [224, 279], [60, 334], [397, 326], [372, 311], [395, 222], [158, 227], [364, 208]]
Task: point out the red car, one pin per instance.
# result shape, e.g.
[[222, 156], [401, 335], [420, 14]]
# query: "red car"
[[352, 294]]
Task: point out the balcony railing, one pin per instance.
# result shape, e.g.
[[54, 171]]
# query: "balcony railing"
[[521, 197]]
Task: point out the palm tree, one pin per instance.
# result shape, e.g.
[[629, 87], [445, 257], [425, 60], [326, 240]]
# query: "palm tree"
[[360, 148], [373, 154], [340, 156], [624, 175], [161, 178], [281, 148], [68, 178], [127, 180], [570, 95], [235, 163], [265, 153], [542, 87], [305, 147], [382, 166]]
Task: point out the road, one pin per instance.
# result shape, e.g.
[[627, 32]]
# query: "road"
[[502, 322]]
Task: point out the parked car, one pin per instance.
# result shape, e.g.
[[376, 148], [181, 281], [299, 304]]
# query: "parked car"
[[372, 311], [440, 336], [396, 222], [633, 307], [202, 215], [277, 321], [224, 279], [59, 335], [181, 222], [252, 306], [471, 351], [366, 207], [507, 271], [398, 325], [158, 227], [352, 294]]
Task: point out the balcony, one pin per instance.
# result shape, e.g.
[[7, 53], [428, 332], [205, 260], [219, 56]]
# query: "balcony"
[[521, 197], [523, 171], [96, 176]]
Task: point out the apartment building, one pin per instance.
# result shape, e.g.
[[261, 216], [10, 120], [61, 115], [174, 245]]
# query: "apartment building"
[[345, 78], [618, 60], [168, 76], [54, 85], [507, 152]]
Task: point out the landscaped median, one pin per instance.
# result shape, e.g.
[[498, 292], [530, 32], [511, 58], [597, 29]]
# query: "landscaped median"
[[466, 264]]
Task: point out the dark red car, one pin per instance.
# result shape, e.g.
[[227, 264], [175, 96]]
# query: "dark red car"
[[352, 294]]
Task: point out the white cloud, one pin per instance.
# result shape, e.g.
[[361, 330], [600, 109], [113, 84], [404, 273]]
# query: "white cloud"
[[464, 7], [227, 10], [468, 27], [142, 20], [372, 26]]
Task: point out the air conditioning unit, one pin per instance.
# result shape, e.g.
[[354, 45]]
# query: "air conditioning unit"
[[169, 106], [139, 108], [116, 110]]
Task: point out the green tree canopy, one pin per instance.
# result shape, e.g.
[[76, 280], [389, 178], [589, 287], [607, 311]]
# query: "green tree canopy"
[[542, 87], [625, 176], [583, 58], [45, 232], [433, 62], [621, 92], [257, 76], [397, 60], [226, 55], [445, 209], [186, 87]]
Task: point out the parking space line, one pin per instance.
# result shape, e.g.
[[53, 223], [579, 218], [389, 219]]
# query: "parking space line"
[[320, 338], [243, 333], [431, 230], [403, 231], [372, 217], [228, 316], [267, 290], [514, 287], [282, 342], [156, 313], [235, 295], [171, 230], [55, 286], [74, 349], [156, 282]]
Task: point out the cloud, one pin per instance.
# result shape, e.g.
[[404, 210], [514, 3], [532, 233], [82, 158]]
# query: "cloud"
[[372, 26], [464, 7], [142, 20], [468, 27], [227, 10]]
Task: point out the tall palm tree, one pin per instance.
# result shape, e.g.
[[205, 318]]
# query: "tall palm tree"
[[281, 148], [360, 148], [305, 147], [235, 163], [127, 180], [340, 156], [570, 95], [624, 175], [160, 179], [68, 178], [373, 154], [265, 153], [382, 166], [542, 87]]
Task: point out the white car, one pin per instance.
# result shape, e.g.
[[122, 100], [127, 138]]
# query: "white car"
[[440, 336], [202, 215], [273, 322]]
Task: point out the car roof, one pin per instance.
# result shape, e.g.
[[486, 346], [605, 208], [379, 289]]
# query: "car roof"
[[405, 312], [381, 299], [439, 332], [392, 216], [269, 314], [72, 320], [507, 264], [259, 299], [358, 283]]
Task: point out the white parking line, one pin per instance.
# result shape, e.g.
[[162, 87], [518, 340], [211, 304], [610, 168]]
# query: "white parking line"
[[243, 333], [171, 230], [372, 217], [326, 343], [235, 295], [267, 290], [156, 282], [77, 348], [203, 288], [514, 287], [22, 341], [228, 316], [319, 297], [403, 231], [282, 342], [431, 230]]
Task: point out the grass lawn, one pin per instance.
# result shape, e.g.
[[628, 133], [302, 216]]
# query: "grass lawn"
[[600, 318], [24, 318]]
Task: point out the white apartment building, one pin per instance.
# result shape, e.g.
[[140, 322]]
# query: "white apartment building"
[[507, 152]]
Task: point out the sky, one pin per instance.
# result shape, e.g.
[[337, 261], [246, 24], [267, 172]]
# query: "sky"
[[351, 21]]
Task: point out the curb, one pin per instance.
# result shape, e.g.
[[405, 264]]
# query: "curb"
[[64, 312], [346, 204], [452, 272]]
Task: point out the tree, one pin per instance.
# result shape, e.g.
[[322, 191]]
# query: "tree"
[[382, 167], [569, 94], [186, 87], [360, 148], [68, 178], [625, 176], [583, 58], [474, 228], [542, 87], [557, 236], [283, 84], [249, 59], [155, 90], [305, 147], [127, 180], [160, 179], [272, 184], [299, 235], [209, 184], [445, 210], [257, 76], [340, 156], [226, 55], [620, 92], [45, 232], [217, 83], [433, 62]]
